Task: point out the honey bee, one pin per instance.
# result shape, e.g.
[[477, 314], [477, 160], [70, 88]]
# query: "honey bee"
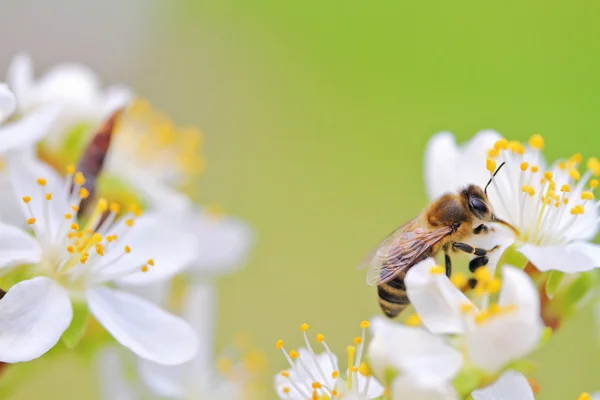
[[444, 225]]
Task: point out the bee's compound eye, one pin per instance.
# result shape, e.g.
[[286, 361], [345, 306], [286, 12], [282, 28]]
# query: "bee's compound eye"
[[478, 206]]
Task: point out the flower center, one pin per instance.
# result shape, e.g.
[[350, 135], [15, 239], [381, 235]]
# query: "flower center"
[[545, 206], [321, 385], [70, 252], [152, 143]]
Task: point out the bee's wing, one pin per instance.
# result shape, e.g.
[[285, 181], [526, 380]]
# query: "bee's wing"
[[400, 250]]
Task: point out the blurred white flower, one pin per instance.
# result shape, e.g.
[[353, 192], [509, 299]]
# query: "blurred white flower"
[[493, 334], [510, 386], [68, 261], [17, 139], [425, 363], [552, 207], [152, 155], [73, 87], [320, 376]]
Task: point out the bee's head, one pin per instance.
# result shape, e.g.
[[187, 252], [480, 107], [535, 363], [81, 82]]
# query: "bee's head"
[[478, 202]]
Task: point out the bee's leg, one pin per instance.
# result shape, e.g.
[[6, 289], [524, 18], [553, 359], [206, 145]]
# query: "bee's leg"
[[467, 248], [481, 229], [478, 262], [448, 264]]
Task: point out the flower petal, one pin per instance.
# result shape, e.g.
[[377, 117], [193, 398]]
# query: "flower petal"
[[437, 301], [441, 155], [510, 335], [412, 351], [569, 258], [404, 387], [33, 315], [10, 207], [497, 236], [112, 376], [153, 236], [511, 385], [17, 247], [223, 244], [20, 79], [8, 102], [470, 168], [28, 130], [166, 380], [145, 329]]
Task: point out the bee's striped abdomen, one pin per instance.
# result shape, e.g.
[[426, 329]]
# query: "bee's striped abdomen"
[[392, 296]]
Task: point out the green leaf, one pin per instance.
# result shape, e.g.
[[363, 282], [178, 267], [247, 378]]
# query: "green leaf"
[[571, 298], [76, 330], [555, 278], [523, 366], [468, 379]]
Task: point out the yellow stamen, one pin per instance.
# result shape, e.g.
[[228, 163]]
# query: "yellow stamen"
[[286, 390], [320, 337], [75, 208], [26, 199], [466, 307], [548, 175], [501, 144], [144, 268], [115, 208], [304, 327], [584, 396], [490, 165], [68, 216], [335, 374], [151, 262], [494, 286], [127, 249], [48, 196], [537, 142], [493, 153], [129, 222], [75, 226], [31, 221], [364, 369], [524, 166], [437, 270], [316, 385], [41, 181], [279, 344], [79, 179], [70, 169], [516, 147], [577, 210], [294, 354], [483, 275], [565, 188], [459, 279], [413, 320], [285, 374], [574, 174], [535, 168], [593, 183], [364, 324], [357, 340], [351, 354], [594, 166], [84, 193]]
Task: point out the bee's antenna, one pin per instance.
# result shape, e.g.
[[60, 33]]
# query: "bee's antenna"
[[490, 181]]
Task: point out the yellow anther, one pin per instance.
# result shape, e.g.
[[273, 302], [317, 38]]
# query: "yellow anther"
[[584, 396], [490, 165], [41, 181], [316, 385], [279, 344], [31, 221], [501, 144], [364, 370], [129, 222], [556, 204], [333, 394], [494, 309], [26, 199], [593, 165], [437, 270], [115, 208], [127, 249], [79, 179], [493, 153], [135, 210], [75, 208], [294, 354], [459, 279], [99, 249], [494, 286], [357, 340], [96, 238], [71, 249], [577, 210], [483, 275], [413, 320], [285, 374], [75, 226], [562, 165], [574, 174], [335, 374], [565, 188], [516, 147], [68, 216], [364, 324], [524, 166], [320, 337], [587, 196], [48, 196], [576, 158], [535, 168], [151, 262], [102, 205], [593, 183], [84, 193], [548, 175], [304, 327], [286, 390], [536, 142], [70, 169], [528, 189], [144, 268]]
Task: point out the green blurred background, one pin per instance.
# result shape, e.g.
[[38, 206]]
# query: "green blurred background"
[[316, 114]]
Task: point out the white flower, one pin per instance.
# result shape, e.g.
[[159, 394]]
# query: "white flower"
[[17, 139], [152, 155], [68, 261], [510, 386], [73, 87], [553, 207], [425, 363], [320, 376], [493, 334]]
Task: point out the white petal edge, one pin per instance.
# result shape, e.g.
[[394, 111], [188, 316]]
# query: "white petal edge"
[[405, 387], [436, 299], [141, 326], [8, 102], [29, 130], [17, 247], [33, 316], [441, 156], [112, 376], [166, 380], [569, 258], [510, 386]]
